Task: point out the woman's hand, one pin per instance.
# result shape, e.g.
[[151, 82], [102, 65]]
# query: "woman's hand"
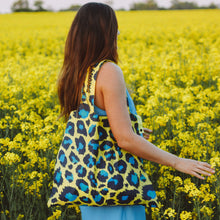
[[147, 133], [193, 167]]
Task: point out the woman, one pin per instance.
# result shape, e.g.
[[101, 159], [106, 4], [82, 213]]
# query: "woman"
[[93, 38]]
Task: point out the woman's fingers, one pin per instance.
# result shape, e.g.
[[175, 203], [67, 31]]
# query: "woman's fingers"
[[205, 167], [202, 168], [195, 168], [146, 135], [197, 175], [147, 132], [200, 171]]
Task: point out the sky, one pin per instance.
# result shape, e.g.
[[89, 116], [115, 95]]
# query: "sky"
[[56, 5]]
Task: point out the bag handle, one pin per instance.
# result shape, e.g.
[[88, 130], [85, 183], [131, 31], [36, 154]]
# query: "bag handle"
[[91, 76], [90, 83]]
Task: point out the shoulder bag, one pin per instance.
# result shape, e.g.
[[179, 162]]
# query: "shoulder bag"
[[91, 169]]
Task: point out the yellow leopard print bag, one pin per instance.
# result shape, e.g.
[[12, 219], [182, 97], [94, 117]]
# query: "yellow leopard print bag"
[[91, 169]]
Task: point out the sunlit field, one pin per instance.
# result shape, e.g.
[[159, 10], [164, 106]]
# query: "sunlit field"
[[171, 64]]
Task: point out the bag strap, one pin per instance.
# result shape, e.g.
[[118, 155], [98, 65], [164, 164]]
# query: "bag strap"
[[91, 77], [89, 86]]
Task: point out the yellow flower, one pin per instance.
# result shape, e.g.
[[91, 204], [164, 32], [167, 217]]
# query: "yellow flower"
[[208, 212], [191, 189], [20, 217], [162, 120], [33, 174], [55, 215], [178, 180], [215, 161], [76, 207], [170, 213], [7, 212], [10, 158], [184, 215], [205, 193], [161, 194]]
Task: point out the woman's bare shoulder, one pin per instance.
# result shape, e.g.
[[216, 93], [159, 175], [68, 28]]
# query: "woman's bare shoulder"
[[111, 73], [111, 66], [109, 84]]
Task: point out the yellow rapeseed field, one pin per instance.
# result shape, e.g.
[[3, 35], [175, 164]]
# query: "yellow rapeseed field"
[[171, 64]]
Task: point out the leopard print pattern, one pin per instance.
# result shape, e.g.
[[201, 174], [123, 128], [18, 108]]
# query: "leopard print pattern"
[[91, 169]]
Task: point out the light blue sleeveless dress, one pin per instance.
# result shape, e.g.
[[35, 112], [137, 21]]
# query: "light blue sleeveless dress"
[[135, 212]]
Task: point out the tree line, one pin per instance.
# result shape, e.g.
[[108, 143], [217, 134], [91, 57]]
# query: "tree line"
[[23, 5], [175, 5]]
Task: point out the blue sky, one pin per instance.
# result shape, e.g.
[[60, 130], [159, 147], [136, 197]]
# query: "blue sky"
[[5, 5]]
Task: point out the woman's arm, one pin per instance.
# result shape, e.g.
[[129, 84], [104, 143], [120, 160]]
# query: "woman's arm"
[[111, 96]]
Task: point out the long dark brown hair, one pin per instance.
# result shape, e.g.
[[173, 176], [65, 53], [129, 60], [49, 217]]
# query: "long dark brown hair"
[[91, 39]]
